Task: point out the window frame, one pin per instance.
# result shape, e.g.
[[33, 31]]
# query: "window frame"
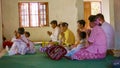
[[39, 24], [99, 3]]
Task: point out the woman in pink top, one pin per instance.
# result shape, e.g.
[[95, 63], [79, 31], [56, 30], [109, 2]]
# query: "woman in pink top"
[[96, 47]]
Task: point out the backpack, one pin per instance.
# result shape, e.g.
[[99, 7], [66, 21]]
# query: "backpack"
[[56, 52]]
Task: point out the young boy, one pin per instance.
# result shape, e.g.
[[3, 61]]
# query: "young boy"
[[79, 46], [27, 34], [21, 45]]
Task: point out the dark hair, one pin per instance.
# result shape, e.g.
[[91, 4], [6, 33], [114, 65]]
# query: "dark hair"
[[99, 15], [81, 22], [28, 33], [64, 24], [59, 25], [21, 30], [92, 18], [54, 22], [4, 38], [83, 35]]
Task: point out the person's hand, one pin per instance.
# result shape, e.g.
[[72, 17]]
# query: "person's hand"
[[78, 31], [62, 34], [88, 32], [15, 32], [49, 33]]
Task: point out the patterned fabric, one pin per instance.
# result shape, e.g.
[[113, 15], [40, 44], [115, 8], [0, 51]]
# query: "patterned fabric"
[[43, 49], [7, 43], [56, 52], [20, 47], [84, 54], [97, 48]]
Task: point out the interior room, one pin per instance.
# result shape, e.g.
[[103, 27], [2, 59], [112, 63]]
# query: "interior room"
[[69, 11]]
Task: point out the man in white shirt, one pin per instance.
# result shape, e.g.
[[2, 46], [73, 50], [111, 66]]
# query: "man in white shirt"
[[109, 31], [55, 34]]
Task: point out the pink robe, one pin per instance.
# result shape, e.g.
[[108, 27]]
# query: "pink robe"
[[97, 49]]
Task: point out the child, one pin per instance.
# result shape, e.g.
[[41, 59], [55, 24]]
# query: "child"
[[79, 46], [21, 45], [27, 34], [32, 48]]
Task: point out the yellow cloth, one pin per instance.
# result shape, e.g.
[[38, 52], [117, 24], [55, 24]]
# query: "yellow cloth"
[[69, 37]]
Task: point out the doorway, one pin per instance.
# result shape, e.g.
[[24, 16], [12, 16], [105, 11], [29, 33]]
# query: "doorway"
[[91, 8]]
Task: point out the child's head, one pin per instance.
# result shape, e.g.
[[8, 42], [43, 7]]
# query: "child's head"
[[81, 23], [63, 26], [53, 23], [21, 30], [27, 34], [83, 35]]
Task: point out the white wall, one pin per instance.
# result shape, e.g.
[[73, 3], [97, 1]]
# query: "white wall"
[[92, 0], [61, 10], [106, 10], [0, 26], [117, 23], [111, 9]]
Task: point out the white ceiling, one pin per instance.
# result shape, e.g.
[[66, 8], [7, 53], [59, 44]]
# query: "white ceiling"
[[92, 0]]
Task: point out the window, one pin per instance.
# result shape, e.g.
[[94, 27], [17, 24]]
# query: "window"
[[33, 14], [95, 7]]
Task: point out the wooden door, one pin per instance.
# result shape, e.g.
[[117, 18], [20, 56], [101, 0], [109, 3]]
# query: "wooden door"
[[87, 12]]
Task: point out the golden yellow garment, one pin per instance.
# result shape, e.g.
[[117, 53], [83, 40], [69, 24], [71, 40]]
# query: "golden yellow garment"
[[69, 37]]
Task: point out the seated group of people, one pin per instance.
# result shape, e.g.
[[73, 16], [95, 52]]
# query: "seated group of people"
[[20, 44], [91, 43]]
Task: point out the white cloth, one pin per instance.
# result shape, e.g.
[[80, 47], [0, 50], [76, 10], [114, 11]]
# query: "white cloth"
[[19, 46], [55, 34], [109, 31], [74, 50], [13, 39]]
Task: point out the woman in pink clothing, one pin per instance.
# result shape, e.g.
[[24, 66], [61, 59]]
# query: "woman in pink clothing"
[[96, 47]]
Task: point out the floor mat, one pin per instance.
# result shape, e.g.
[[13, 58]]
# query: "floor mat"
[[40, 60]]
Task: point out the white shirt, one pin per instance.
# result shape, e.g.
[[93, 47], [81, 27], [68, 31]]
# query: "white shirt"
[[109, 31], [55, 34]]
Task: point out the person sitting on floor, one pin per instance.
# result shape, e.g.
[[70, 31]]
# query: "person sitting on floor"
[[54, 35], [80, 28], [79, 46], [66, 36], [109, 31], [21, 45], [97, 43]]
